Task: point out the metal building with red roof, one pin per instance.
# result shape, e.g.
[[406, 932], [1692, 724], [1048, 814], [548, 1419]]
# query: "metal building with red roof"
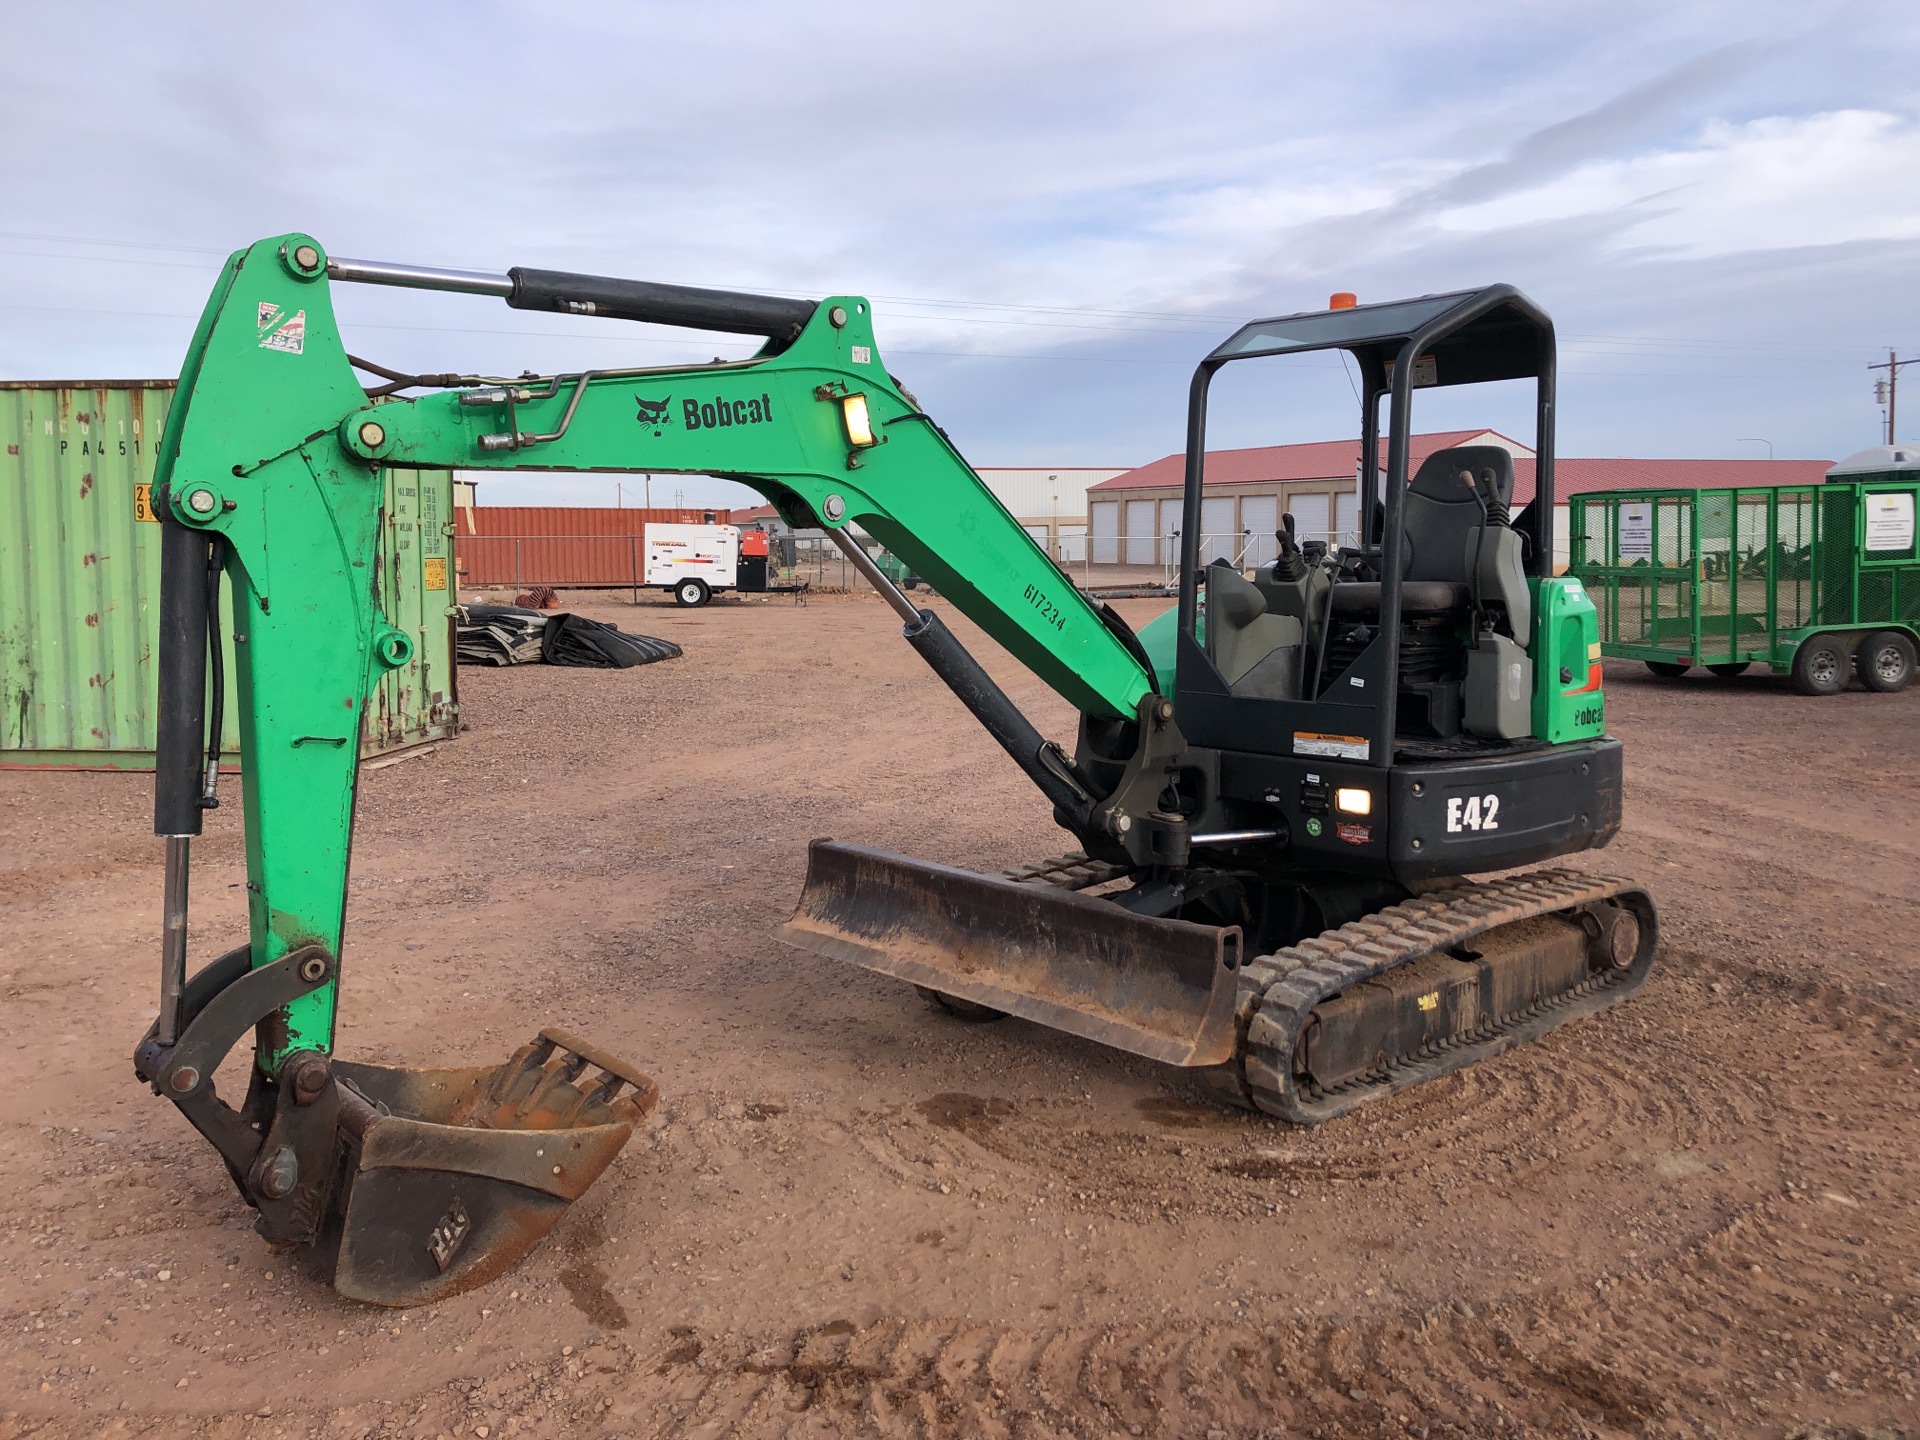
[[1134, 516]]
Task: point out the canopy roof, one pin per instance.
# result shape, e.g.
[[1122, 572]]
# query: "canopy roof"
[[1504, 342]]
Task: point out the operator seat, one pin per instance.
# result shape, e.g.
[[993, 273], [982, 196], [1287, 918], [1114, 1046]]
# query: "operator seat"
[[1449, 545]]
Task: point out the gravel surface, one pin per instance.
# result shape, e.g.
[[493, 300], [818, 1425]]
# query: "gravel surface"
[[1691, 1216]]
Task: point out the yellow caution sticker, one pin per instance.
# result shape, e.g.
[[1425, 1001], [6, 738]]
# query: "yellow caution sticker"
[[433, 572], [1430, 1000], [143, 504]]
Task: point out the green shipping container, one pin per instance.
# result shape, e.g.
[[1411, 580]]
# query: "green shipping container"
[[80, 584]]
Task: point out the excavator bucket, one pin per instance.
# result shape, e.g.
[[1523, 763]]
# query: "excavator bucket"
[[1164, 989], [450, 1176]]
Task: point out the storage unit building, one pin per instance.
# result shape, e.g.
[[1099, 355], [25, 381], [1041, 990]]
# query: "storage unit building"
[[1050, 502], [1134, 517], [80, 583]]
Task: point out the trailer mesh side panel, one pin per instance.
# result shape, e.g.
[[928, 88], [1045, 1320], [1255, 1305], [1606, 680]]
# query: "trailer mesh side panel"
[[1718, 576], [1833, 567]]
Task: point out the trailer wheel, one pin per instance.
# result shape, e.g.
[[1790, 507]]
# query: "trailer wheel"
[[1731, 669], [1820, 667], [1668, 669], [691, 592], [961, 1009], [1885, 661]]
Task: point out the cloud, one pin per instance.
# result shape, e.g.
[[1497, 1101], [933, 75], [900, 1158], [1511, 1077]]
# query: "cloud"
[[1773, 183], [1057, 208]]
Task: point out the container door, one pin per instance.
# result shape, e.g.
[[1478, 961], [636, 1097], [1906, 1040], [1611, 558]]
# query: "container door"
[[80, 577], [415, 702]]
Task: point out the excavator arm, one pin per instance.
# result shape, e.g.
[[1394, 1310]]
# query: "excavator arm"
[[272, 456], [270, 471]]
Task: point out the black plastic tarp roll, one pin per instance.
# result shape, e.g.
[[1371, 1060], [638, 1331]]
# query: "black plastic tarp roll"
[[499, 635], [576, 640], [515, 635]]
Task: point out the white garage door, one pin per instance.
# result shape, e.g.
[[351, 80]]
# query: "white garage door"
[[1073, 544], [1348, 521], [1312, 517], [1261, 515], [1105, 515], [1219, 536], [1140, 532]]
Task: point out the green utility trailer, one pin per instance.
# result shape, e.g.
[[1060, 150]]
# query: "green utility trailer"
[[1816, 582]]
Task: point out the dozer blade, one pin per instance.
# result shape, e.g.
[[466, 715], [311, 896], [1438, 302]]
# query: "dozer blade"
[[450, 1176], [1164, 989]]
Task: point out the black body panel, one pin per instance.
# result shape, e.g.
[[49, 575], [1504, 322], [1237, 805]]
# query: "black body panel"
[[1432, 819]]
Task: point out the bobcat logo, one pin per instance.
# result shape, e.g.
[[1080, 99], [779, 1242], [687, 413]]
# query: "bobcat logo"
[[654, 413]]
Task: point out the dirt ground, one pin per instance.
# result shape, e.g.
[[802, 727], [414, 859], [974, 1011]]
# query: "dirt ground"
[[1693, 1216]]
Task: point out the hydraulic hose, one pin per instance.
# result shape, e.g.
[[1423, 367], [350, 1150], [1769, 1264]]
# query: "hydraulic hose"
[[217, 672]]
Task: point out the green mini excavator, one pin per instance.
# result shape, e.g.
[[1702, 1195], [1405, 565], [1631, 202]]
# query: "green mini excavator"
[[1275, 794]]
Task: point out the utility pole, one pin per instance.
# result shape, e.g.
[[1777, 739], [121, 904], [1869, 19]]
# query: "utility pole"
[[1887, 391]]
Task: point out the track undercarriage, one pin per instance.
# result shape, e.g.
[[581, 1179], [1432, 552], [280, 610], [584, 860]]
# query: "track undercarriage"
[[1306, 1031]]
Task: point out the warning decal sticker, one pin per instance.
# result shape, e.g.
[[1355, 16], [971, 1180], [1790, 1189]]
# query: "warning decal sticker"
[[280, 331], [1333, 747], [1636, 531], [1889, 521]]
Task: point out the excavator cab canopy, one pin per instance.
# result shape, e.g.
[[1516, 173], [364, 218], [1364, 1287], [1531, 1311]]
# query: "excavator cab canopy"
[[1464, 337], [1500, 341]]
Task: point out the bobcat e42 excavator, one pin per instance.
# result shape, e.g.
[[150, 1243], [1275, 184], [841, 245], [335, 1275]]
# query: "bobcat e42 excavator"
[[1276, 789]]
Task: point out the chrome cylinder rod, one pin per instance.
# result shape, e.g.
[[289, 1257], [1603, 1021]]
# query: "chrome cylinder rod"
[[1236, 837], [173, 939], [418, 277], [875, 576]]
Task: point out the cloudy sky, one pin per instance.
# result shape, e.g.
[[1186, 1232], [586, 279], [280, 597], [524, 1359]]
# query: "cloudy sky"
[[1056, 208]]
